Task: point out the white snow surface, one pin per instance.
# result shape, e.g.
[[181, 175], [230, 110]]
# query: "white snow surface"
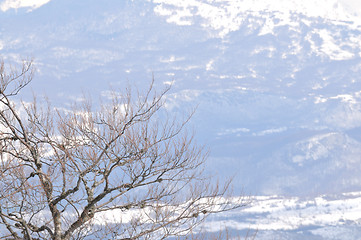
[[15, 4], [227, 15], [267, 214], [273, 214]]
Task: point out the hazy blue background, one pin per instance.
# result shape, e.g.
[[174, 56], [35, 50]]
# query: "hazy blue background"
[[277, 83]]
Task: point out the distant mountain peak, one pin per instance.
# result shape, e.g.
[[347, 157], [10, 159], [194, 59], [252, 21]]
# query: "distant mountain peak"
[[15, 4], [226, 16]]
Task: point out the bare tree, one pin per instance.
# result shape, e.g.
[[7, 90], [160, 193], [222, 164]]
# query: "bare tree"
[[115, 170]]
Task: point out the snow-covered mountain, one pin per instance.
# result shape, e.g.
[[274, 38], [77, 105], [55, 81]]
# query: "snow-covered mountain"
[[277, 83], [324, 217], [15, 4]]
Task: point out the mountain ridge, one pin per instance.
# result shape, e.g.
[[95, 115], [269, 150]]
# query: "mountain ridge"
[[262, 87], [278, 89]]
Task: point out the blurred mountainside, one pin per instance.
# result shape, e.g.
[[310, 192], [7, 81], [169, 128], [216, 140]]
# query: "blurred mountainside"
[[277, 86]]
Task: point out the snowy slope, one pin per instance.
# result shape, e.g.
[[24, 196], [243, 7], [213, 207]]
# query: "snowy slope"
[[269, 79], [15, 4], [226, 16], [323, 218], [277, 83]]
